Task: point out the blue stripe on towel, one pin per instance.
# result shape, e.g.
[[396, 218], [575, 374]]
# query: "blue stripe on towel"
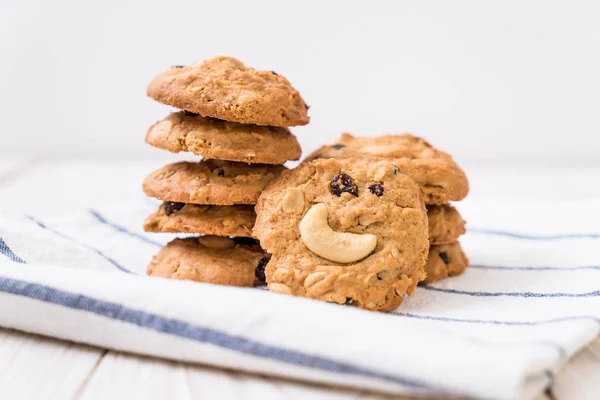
[[107, 258], [595, 293], [535, 237], [597, 267], [5, 250], [500, 322], [201, 334], [122, 229]]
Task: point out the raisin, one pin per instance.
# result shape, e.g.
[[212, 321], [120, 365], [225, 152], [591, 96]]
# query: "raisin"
[[343, 183], [178, 66], [259, 272], [380, 275], [221, 172], [376, 189], [350, 301], [172, 207], [395, 169], [189, 113], [444, 257], [274, 73], [338, 146]]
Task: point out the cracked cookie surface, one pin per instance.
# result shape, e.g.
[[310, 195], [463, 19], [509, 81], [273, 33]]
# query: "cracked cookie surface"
[[223, 87], [211, 182], [235, 220], [222, 140], [209, 259], [445, 260], [438, 176], [345, 231], [445, 224]]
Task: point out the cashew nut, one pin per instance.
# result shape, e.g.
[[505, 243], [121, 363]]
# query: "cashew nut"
[[342, 247]]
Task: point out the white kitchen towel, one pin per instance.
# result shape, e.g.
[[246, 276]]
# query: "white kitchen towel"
[[528, 301]]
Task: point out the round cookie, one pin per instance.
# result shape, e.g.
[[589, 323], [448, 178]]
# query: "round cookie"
[[213, 182], [221, 140], [345, 231], [445, 260], [235, 220], [223, 87], [210, 259], [445, 224], [438, 176]]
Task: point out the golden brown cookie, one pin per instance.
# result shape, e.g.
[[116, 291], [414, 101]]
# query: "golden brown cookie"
[[210, 259], [221, 140], [213, 182], [222, 87], [344, 231], [439, 177], [445, 224], [445, 260], [208, 220]]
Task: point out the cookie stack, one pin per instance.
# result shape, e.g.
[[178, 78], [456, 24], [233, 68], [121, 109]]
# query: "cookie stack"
[[237, 119], [440, 179]]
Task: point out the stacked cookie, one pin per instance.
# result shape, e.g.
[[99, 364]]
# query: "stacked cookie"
[[237, 119], [440, 179]]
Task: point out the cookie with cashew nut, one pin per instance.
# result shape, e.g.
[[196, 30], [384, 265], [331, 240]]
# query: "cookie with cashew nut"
[[224, 88], [438, 176], [344, 231], [211, 259]]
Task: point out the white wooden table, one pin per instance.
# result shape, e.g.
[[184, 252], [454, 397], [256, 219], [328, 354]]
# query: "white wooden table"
[[35, 367]]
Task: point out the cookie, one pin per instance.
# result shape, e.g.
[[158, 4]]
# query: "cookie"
[[210, 259], [221, 140], [445, 260], [213, 182], [439, 177], [445, 224], [344, 231], [223, 87], [208, 220]]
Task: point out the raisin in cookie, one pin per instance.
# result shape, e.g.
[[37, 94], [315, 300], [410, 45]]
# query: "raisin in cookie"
[[439, 177], [345, 231], [211, 259], [222, 87], [445, 260], [212, 182], [214, 138], [196, 218], [445, 224]]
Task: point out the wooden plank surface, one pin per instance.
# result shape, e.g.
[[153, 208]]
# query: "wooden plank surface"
[[33, 367], [128, 376], [580, 378]]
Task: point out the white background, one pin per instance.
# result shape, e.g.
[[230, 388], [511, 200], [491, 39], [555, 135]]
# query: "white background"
[[492, 82]]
